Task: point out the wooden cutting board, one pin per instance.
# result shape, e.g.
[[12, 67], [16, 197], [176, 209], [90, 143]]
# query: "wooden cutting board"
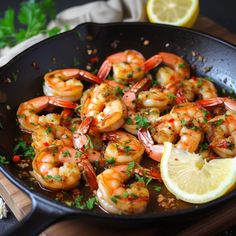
[[218, 220]]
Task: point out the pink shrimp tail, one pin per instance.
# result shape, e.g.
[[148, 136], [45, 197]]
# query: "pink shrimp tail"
[[180, 97], [153, 62], [104, 70], [155, 152], [90, 175], [61, 103], [90, 77], [79, 137]]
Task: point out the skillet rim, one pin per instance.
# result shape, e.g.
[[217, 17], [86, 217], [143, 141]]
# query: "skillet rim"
[[154, 216]]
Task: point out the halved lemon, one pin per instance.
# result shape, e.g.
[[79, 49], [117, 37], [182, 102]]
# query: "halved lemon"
[[192, 179], [173, 12]]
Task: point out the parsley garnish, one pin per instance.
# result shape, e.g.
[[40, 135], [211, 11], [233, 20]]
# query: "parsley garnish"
[[143, 179], [66, 153], [118, 91], [129, 121], [142, 122], [171, 96], [32, 20], [49, 130], [78, 154], [3, 160], [184, 122], [111, 161], [127, 149], [89, 143], [55, 177], [157, 188], [219, 122], [131, 166], [87, 205], [199, 83], [203, 146], [181, 66], [23, 149]]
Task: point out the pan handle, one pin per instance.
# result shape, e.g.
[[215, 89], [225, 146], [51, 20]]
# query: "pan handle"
[[41, 216]]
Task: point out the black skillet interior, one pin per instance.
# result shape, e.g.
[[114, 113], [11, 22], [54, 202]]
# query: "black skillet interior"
[[21, 78]]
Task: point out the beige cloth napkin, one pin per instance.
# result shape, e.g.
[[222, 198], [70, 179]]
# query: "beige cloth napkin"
[[99, 11]]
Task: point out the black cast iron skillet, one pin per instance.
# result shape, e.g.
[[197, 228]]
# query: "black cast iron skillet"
[[63, 51]]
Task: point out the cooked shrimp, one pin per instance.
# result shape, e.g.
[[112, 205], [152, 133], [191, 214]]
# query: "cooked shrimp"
[[222, 131], [229, 104], [28, 117], [176, 69], [122, 148], [198, 87], [153, 98], [184, 127], [60, 167], [115, 198], [128, 66], [185, 122], [65, 84], [49, 135], [108, 111], [222, 135]]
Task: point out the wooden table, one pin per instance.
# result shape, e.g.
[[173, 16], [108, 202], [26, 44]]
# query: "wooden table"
[[219, 219]]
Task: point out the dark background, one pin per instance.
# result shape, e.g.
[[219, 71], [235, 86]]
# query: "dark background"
[[221, 11]]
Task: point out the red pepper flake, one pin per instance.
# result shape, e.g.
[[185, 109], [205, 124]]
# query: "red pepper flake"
[[171, 120], [93, 59], [16, 159], [46, 144]]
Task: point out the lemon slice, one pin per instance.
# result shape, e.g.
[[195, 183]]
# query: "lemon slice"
[[173, 12], [192, 179]]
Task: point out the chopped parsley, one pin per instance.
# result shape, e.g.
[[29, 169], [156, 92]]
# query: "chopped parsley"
[[219, 122], [129, 121], [78, 154], [142, 121], [89, 143], [184, 122], [181, 66], [49, 130], [203, 146], [3, 160], [199, 83], [143, 179], [157, 188], [118, 91], [85, 205], [111, 161], [23, 149], [127, 149], [131, 166], [171, 96], [66, 153], [55, 177]]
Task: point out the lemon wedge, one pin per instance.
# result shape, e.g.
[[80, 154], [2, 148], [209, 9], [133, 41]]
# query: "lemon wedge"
[[173, 12], [192, 179]]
